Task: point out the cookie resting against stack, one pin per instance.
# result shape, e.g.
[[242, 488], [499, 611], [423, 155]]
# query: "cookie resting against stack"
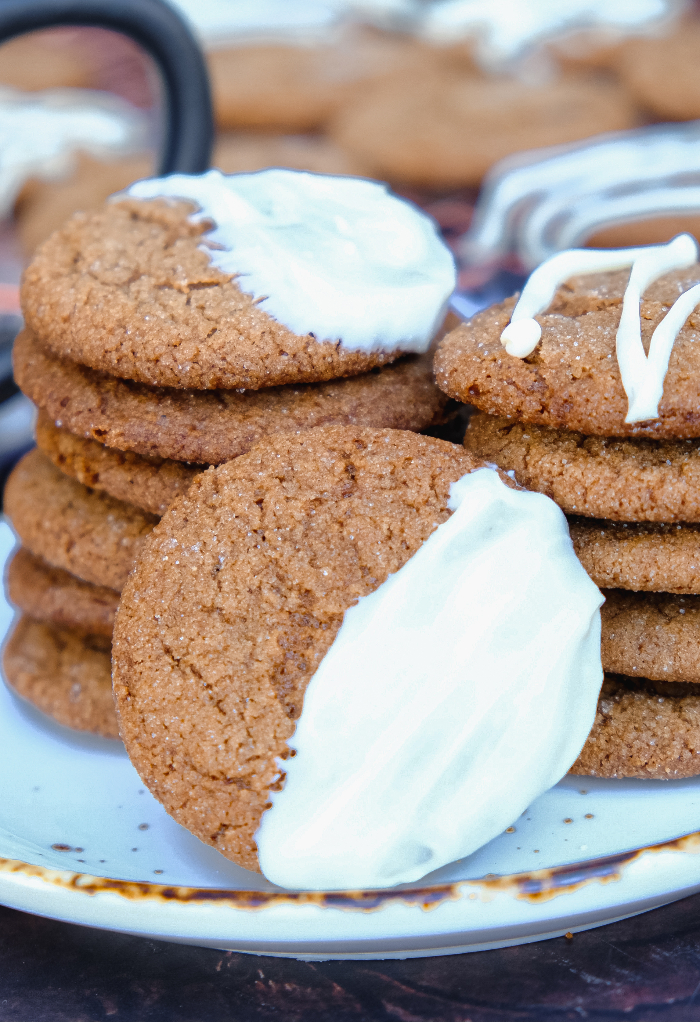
[[620, 457], [366, 632], [148, 362]]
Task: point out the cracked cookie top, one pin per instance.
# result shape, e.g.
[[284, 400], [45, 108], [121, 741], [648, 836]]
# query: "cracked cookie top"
[[130, 290], [572, 380], [240, 593]]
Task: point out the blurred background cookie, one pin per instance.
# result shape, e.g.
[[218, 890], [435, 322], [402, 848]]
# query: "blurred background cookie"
[[449, 128], [50, 59], [661, 73]]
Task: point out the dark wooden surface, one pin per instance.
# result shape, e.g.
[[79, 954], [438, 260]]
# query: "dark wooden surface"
[[642, 970]]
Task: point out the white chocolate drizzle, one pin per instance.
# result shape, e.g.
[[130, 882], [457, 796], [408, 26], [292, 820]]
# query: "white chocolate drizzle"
[[642, 375], [504, 29], [224, 23], [232, 23], [535, 204]]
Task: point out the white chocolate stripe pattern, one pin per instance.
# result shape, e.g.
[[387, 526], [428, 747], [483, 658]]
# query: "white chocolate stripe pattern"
[[642, 376]]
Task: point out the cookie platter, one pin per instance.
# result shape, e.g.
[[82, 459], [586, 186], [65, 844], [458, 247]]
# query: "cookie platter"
[[81, 840]]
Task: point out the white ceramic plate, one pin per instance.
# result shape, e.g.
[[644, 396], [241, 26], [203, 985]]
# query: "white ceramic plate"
[[83, 841]]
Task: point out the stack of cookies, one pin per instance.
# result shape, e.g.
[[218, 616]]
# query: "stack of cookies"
[[148, 363], [557, 421]]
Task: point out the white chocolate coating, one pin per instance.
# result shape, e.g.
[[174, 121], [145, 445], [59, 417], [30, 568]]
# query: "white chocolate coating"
[[41, 133], [230, 23], [223, 23], [504, 29], [541, 202], [453, 696], [642, 376], [337, 257]]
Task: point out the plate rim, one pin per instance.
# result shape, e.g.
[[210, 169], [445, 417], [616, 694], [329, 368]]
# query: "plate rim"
[[534, 886]]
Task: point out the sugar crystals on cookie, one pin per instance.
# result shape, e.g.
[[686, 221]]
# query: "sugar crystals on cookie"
[[134, 295], [587, 390], [421, 635]]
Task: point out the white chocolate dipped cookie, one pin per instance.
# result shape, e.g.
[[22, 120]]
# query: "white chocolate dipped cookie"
[[329, 575], [246, 281]]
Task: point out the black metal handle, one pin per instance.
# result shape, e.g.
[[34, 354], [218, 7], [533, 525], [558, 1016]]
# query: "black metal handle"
[[154, 25]]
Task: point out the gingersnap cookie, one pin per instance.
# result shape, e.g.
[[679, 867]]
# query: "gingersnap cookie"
[[240, 152], [572, 379], [46, 60], [44, 206], [448, 128], [643, 729], [625, 480], [264, 555], [651, 635], [647, 230], [55, 596], [649, 556], [299, 87], [242, 281], [83, 531], [65, 675], [208, 427], [661, 73], [151, 484]]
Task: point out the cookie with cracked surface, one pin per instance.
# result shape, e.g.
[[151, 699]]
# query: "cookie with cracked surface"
[[572, 380], [44, 206], [83, 531], [59, 598], [626, 480], [644, 556], [148, 483], [209, 427], [232, 607], [129, 289], [448, 128], [651, 635], [643, 729], [64, 674]]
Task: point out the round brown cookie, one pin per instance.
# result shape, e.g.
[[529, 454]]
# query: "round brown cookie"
[[299, 87], [238, 595], [238, 152], [128, 290], [44, 206], [572, 379], [647, 230], [632, 480], [57, 597], [209, 427], [661, 73], [446, 129], [643, 729], [648, 556], [651, 635], [83, 531], [148, 483], [66, 675], [49, 59]]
